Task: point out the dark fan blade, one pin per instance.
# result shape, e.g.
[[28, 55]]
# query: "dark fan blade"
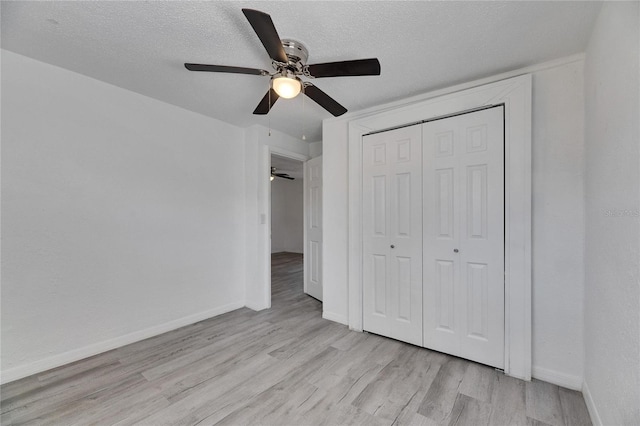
[[283, 175], [224, 68], [266, 31], [324, 100], [346, 68], [265, 106]]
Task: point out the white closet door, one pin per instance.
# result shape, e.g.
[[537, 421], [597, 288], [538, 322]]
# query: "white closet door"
[[313, 225], [392, 234], [463, 183]]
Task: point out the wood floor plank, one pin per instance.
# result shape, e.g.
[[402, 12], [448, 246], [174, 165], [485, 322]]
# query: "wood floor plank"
[[5, 419], [543, 402], [416, 419], [574, 409], [84, 366], [508, 404], [409, 414], [440, 399], [272, 405], [129, 400], [281, 366], [127, 392], [343, 389], [469, 411], [346, 365], [402, 378], [209, 353], [349, 341], [214, 400], [377, 350], [534, 422], [348, 414], [19, 387], [478, 382], [59, 393], [213, 380]]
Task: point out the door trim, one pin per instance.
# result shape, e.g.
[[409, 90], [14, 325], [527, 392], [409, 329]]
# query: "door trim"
[[515, 94]]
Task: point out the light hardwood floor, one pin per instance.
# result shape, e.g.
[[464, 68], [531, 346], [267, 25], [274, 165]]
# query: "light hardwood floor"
[[282, 366]]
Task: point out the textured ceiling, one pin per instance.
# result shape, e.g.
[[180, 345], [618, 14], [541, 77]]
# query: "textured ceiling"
[[141, 46]]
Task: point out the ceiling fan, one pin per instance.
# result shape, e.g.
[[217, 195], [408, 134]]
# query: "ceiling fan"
[[280, 175], [289, 61]]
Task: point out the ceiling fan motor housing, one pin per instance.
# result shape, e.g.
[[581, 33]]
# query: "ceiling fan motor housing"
[[296, 51]]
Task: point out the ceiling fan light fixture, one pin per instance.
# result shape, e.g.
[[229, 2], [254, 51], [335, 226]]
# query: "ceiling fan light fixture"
[[286, 85]]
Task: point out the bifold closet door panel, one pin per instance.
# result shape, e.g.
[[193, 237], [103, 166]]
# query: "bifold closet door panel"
[[392, 234], [463, 251]]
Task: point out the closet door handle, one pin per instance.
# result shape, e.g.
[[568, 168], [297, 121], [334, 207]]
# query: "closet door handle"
[[455, 250], [392, 246]]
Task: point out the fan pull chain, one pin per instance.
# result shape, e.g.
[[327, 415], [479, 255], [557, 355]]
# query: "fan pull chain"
[[269, 115], [304, 138]]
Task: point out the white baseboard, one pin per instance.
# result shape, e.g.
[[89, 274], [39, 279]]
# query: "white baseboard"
[[557, 378], [591, 406], [77, 354], [254, 306], [335, 317]]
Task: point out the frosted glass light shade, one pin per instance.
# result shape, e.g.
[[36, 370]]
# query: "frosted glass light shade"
[[287, 87]]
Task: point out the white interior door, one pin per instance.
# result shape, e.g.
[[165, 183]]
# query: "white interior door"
[[463, 184], [313, 228], [392, 234]]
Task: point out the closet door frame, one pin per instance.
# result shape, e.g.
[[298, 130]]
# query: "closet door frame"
[[515, 95]]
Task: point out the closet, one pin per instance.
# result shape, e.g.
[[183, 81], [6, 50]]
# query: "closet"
[[433, 235]]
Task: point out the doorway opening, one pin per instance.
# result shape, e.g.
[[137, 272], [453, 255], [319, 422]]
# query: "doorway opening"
[[287, 229]]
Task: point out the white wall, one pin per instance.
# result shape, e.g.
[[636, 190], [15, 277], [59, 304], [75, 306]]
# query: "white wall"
[[612, 290], [122, 216], [258, 143], [287, 216], [558, 221], [315, 149], [278, 216], [335, 221], [558, 224]]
